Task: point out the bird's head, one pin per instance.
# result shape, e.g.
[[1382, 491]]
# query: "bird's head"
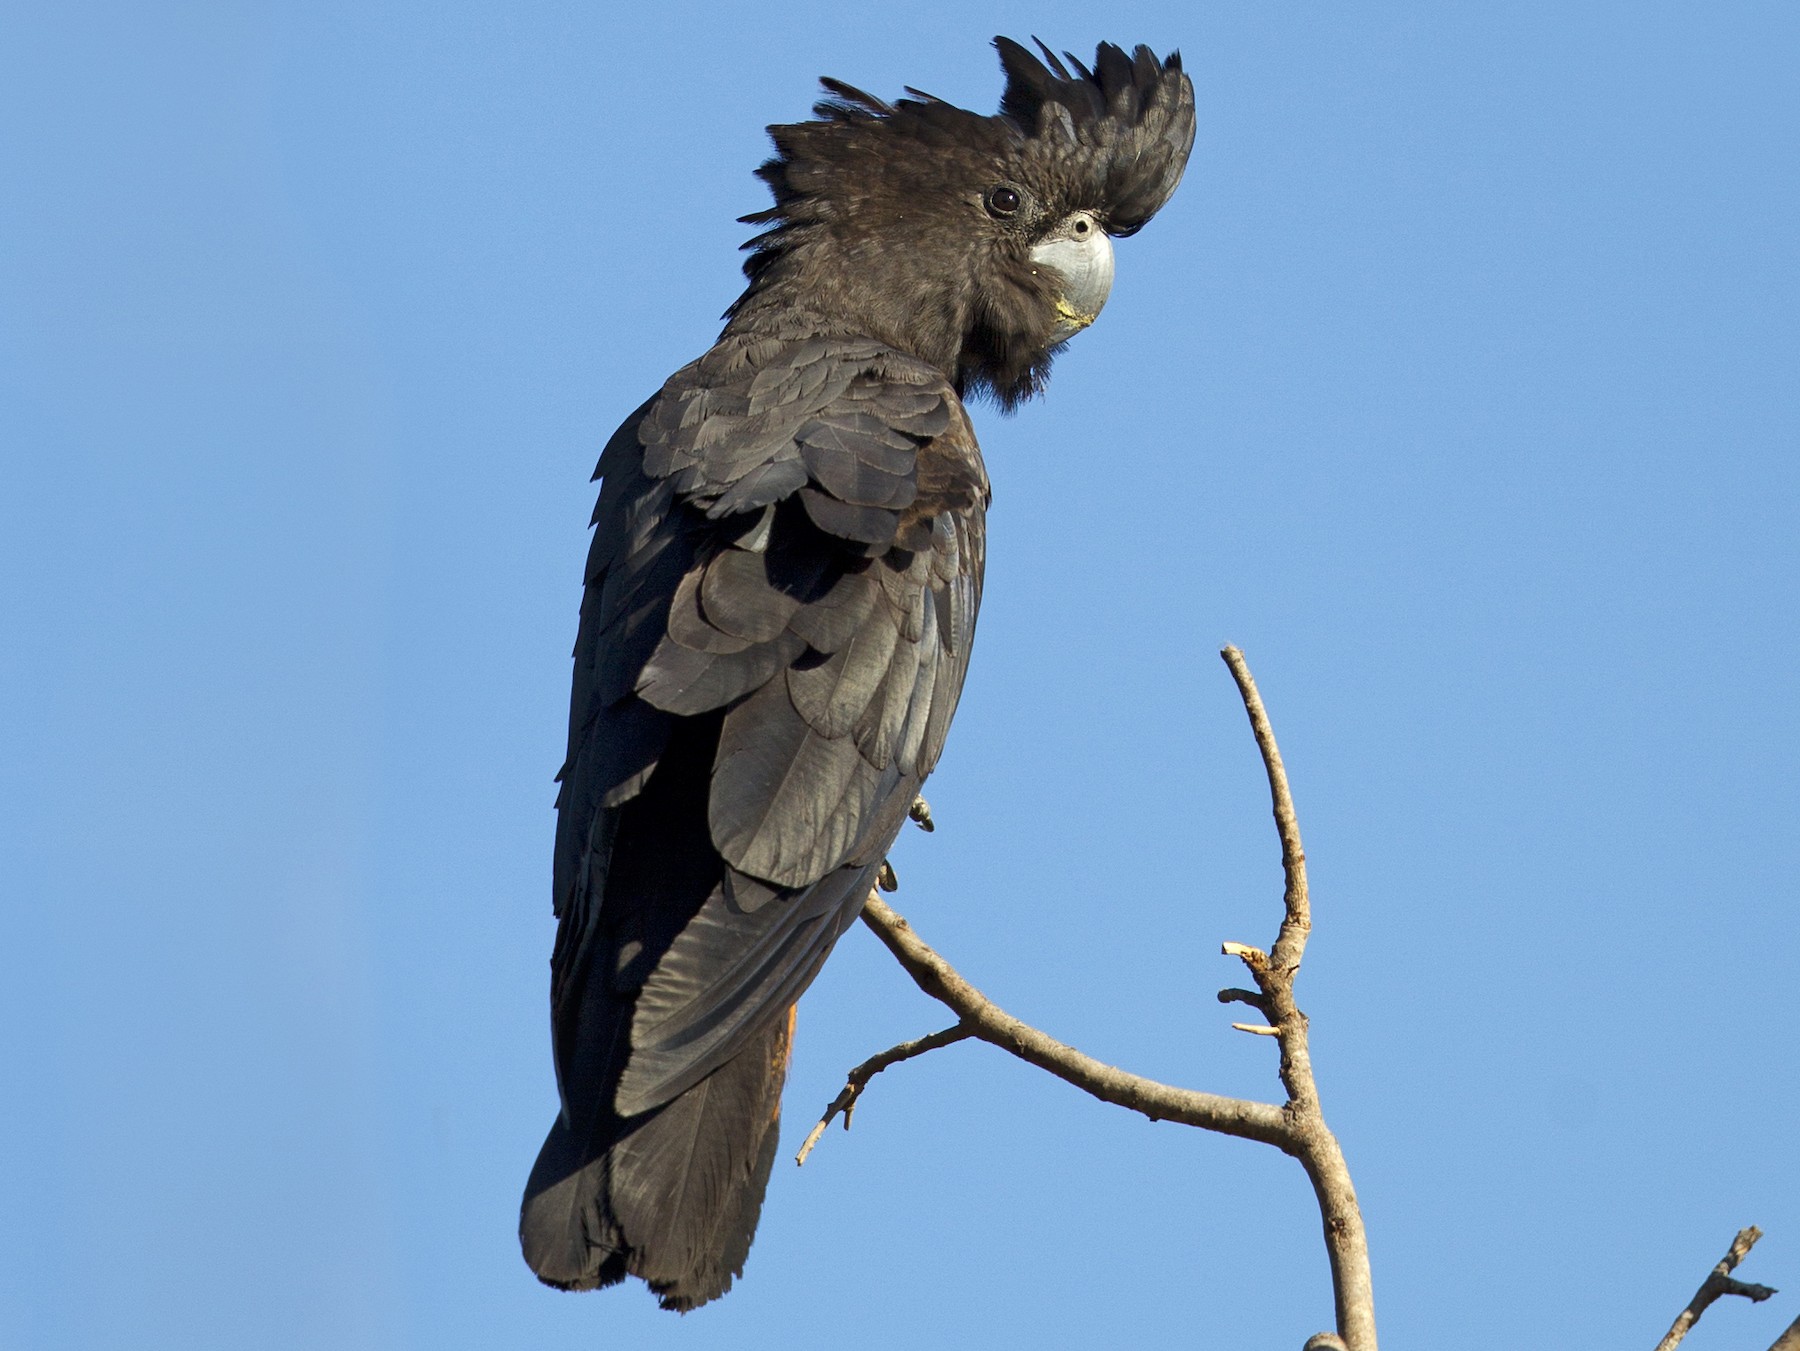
[[979, 244]]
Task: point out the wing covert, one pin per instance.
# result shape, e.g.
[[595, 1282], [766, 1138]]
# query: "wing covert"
[[787, 554]]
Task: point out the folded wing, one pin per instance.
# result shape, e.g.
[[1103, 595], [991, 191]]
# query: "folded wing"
[[787, 565]]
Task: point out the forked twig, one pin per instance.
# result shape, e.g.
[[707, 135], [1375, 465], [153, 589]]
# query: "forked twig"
[[859, 1077], [1719, 1281]]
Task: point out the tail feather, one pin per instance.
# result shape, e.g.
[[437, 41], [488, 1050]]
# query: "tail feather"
[[672, 1195]]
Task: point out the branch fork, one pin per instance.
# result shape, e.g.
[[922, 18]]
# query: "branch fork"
[[1296, 1127], [1720, 1282]]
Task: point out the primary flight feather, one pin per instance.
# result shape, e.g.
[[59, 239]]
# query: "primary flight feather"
[[780, 601]]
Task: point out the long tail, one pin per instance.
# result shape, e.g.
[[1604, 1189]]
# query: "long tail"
[[671, 1195]]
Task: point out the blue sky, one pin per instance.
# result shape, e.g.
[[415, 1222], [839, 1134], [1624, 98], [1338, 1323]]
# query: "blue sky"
[[1457, 385]]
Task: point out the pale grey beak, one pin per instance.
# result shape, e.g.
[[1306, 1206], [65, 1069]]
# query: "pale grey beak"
[[1082, 255]]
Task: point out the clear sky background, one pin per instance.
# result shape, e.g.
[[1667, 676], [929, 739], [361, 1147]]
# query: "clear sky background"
[[1458, 385]]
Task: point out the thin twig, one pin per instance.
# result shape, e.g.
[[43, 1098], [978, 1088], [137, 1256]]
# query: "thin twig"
[[1719, 1282], [859, 1077], [1297, 901], [1250, 997]]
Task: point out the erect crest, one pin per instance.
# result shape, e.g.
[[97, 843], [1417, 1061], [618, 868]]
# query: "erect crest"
[[1113, 139], [1122, 130]]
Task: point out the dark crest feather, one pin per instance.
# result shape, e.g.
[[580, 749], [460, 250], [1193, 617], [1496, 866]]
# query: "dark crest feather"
[[848, 103], [1113, 139], [1125, 127]]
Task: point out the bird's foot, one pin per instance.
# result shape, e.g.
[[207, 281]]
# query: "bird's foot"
[[920, 811]]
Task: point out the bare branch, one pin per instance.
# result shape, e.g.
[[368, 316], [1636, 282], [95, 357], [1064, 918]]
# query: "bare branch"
[[1346, 1241], [1789, 1340], [992, 1024], [1296, 1128], [859, 1077], [1298, 922], [1719, 1282]]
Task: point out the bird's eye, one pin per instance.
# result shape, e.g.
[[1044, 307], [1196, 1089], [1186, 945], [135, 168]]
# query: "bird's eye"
[[1003, 201]]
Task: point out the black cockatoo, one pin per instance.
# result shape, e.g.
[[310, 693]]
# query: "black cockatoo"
[[781, 595]]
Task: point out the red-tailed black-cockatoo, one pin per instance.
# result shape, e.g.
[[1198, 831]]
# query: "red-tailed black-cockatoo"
[[781, 594]]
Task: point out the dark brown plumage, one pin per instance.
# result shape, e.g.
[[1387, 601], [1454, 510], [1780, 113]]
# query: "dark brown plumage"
[[781, 596]]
